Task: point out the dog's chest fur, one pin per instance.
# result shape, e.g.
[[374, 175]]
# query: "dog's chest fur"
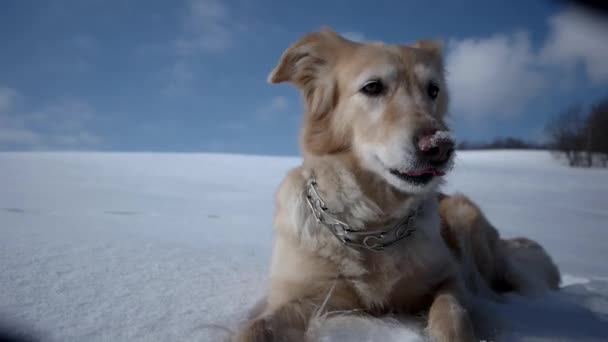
[[396, 279], [401, 277]]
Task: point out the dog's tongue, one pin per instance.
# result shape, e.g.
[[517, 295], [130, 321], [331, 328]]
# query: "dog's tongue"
[[416, 173]]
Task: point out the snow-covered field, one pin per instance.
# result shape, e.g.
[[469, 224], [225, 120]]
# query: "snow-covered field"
[[173, 247]]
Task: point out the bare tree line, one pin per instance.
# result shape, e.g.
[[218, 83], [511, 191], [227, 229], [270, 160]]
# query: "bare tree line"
[[578, 135], [510, 143], [581, 136]]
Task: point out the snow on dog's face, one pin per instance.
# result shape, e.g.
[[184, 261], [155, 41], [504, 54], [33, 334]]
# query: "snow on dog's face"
[[385, 103]]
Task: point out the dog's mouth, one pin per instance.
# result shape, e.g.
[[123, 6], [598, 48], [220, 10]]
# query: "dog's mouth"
[[417, 177]]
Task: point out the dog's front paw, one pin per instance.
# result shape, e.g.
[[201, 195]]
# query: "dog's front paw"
[[449, 321]]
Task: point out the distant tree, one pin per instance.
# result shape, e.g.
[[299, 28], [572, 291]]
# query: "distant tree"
[[597, 132], [499, 143], [581, 137], [510, 143], [463, 145], [566, 134], [578, 135]]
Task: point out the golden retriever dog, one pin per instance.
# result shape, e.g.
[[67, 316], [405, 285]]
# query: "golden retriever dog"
[[360, 225]]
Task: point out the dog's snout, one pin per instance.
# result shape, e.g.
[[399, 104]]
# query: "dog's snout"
[[435, 146]]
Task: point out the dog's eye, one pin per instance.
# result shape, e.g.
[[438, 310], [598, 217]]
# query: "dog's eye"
[[373, 88], [432, 90]]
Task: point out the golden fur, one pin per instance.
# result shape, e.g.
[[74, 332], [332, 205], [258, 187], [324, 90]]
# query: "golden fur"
[[348, 141]]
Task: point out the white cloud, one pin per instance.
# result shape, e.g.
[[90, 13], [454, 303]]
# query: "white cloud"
[[206, 28], [277, 105], [12, 130], [180, 78], [579, 36], [492, 76], [354, 36], [56, 126], [8, 97], [498, 76], [18, 136], [78, 138], [265, 114]]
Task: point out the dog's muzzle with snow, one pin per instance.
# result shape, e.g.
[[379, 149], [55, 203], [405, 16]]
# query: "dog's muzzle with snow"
[[434, 156]]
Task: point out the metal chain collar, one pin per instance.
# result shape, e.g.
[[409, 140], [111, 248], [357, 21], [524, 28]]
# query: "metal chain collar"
[[375, 240]]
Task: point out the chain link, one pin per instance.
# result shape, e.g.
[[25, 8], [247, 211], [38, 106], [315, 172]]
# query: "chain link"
[[375, 240]]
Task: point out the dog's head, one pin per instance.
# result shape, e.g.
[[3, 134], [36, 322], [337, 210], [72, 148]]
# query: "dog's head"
[[384, 103]]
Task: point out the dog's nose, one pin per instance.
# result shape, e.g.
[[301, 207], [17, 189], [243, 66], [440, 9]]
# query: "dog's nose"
[[435, 146]]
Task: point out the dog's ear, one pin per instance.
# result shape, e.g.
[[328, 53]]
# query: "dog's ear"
[[431, 46], [309, 64], [302, 62]]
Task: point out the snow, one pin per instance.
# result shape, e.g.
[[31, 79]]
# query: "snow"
[[176, 247], [441, 136], [427, 142]]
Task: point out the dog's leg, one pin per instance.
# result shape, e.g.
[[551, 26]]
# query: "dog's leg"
[[448, 318], [528, 267], [518, 264], [286, 324]]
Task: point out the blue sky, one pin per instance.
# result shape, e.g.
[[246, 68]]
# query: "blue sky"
[[191, 75]]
